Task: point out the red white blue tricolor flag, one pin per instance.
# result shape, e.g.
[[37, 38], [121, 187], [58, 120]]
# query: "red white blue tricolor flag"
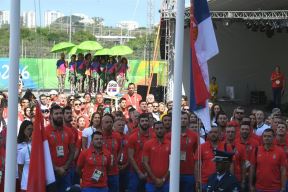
[[203, 47]]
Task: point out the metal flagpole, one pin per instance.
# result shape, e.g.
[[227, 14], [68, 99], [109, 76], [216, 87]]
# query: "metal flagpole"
[[10, 167], [176, 113]]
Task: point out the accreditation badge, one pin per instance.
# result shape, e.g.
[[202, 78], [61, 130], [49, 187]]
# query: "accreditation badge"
[[60, 151], [183, 156], [121, 159], [277, 82], [96, 175]]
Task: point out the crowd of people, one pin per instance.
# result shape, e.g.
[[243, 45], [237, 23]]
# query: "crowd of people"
[[91, 74], [97, 146]]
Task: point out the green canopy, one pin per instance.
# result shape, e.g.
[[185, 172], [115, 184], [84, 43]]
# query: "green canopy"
[[104, 51], [90, 46], [60, 47], [75, 50], [121, 50]]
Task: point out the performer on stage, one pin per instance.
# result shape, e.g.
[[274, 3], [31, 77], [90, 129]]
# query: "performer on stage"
[[61, 72]]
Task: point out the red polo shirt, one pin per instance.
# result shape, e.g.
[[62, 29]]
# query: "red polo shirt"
[[123, 154], [112, 144], [249, 145], [158, 155], [278, 79], [88, 161], [136, 142], [189, 144], [268, 163], [133, 100], [207, 165], [285, 149], [239, 156], [59, 138]]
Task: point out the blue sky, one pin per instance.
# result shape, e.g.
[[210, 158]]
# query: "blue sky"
[[112, 11]]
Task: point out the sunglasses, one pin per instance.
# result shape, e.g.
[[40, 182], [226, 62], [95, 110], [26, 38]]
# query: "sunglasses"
[[77, 104], [45, 111]]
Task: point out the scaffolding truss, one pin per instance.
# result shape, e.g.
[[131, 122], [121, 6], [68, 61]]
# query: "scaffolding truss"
[[168, 13]]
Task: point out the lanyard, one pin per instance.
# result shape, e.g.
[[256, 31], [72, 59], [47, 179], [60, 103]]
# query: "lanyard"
[[139, 139], [55, 137], [135, 100], [112, 145], [95, 161], [186, 142]]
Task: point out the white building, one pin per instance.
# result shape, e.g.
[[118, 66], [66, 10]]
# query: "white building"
[[29, 19], [130, 25], [51, 16], [4, 17]]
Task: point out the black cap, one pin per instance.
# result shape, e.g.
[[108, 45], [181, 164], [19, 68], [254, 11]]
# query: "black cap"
[[222, 156]]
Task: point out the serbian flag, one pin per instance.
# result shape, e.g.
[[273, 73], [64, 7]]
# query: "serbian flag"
[[41, 172], [203, 47]]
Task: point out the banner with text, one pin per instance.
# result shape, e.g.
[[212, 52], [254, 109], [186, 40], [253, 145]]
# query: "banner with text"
[[41, 73]]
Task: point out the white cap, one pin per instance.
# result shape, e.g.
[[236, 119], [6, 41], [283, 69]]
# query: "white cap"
[[53, 92]]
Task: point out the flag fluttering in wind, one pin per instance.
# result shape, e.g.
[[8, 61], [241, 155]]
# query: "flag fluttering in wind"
[[203, 47], [41, 171]]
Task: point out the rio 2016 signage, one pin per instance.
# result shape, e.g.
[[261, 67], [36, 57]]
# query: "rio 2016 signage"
[[41, 73]]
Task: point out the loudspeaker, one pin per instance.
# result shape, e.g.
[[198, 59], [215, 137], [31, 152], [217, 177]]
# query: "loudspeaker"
[[154, 80], [158, 92], [142, 90], [163, 55]]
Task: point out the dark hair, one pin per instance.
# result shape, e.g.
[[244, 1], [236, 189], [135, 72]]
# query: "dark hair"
[[96, 133], [143, 116], [212, 110], [120, 100], [118, 114], [220, 113], [54, 107], [92, 117], [269, 130], [166, 115], [25, 110], [157, 123], [245, 123], [42, 95], [87, 94], [131, 84], [131, 109], [68, 108], [21, 136], [142, 101]]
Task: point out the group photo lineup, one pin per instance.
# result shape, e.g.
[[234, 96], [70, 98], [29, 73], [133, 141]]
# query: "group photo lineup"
[[143, 96]]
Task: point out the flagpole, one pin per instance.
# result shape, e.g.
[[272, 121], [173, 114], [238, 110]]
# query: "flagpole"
[[177, 90], [11, 150]]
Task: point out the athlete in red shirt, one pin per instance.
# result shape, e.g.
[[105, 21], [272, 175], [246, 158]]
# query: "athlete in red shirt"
[[136, 142], [239, 158], [205, 154], [132, 98], [156, 160], [278, 85], [62, 148], [269, 165], [281, 140], [93, 165], [189, 145], [111, 140], [123, 156]]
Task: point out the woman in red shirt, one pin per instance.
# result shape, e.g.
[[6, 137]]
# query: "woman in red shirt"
[[278, 85]]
